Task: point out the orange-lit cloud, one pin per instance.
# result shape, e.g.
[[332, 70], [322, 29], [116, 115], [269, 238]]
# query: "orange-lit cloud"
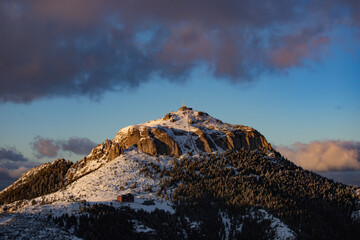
[[324, 155], [292, 49], [45, 147]]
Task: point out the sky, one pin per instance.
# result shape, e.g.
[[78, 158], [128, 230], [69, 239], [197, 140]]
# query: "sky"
[[73, 73]]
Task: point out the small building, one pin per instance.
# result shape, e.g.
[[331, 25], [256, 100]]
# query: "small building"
[[125, 198]]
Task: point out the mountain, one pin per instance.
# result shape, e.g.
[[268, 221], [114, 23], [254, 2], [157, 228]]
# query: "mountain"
[[192, 177], [177, 133]]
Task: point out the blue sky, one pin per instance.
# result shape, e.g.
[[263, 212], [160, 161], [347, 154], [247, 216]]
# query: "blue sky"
[[301, 84]]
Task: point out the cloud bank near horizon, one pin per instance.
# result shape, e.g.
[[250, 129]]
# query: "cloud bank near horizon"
[[85, 48], [12, 164], [45, 147], [323, 156]]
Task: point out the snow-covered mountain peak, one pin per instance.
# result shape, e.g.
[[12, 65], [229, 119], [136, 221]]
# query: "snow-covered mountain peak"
[[187, 130], [182, 119]]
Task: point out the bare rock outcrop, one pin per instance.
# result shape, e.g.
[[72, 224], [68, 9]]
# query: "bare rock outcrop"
[[164, 143], [171, 136], [203, 143], [249, 139], [98, 157], [149, 140], [230, 140]]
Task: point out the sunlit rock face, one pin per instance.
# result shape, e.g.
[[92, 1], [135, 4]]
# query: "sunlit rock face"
[[189, 131]]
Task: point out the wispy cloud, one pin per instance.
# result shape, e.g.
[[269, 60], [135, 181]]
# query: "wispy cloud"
[[46, 147], [324, 155], [85, 48]]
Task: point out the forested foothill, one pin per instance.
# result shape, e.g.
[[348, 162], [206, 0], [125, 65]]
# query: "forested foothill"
[[43, 180]]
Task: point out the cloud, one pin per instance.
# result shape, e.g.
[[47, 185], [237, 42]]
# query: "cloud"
[[77, 145], [12, 165], [11, 155], [11, 171], [45, 147], [324, 156], [86, 48], [346, 177], [291, 50]]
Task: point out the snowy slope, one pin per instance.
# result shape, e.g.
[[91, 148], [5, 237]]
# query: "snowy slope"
[[104, 185]]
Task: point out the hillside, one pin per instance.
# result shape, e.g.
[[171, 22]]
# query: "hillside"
[[193, 177], [37, 181]]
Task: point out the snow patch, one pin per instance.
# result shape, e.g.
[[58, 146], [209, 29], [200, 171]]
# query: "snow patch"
[[227, 224], [282, 232]]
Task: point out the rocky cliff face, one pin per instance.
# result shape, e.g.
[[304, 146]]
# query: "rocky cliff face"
[[99, 156], [149, 140], [189, 131]]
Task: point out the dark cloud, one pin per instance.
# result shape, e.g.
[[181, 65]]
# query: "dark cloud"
[[324, 155], [11, 154], [71, 48], [45, 147], [77, 145], [290, 50]]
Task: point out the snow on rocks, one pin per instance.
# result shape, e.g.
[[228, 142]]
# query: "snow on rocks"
[[190, 131], [282, 232], [140, 228], [22, 226], [227, 224], [355, 215]]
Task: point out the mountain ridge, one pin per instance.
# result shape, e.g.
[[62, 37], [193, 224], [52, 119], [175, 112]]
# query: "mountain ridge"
[[194, 174]]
